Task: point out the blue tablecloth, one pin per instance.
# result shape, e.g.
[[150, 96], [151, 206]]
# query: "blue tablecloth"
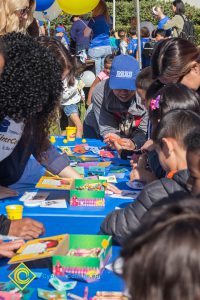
[[68, 220], [59, 225]]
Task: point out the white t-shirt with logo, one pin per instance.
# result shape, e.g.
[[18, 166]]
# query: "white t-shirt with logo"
[[10, 134]]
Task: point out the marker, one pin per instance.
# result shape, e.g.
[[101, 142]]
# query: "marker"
[[75, 297]]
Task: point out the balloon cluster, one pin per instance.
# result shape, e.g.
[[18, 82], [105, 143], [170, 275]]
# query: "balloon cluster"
[[51, 9]]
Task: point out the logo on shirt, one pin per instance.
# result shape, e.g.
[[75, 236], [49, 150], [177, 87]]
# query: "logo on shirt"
[[4, 125], [124, 74]]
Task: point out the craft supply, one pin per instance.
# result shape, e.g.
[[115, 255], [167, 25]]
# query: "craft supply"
[[65, 141], [117, 170], [54, 203], [104, 164], [59, 285], [54, 295], [75, 297], [94, 252], [86, 292], [65, 149], [96, 170], [9, 296], [91, 187], [10, 287], [14, 212], [80, 149], [84, 141], [71, 133], [111, 178], [106, 154], [52, 139], [28, 196], [79, 170], [54, 183], [117, 175]]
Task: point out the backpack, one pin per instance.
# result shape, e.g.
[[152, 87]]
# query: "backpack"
[[148, 48], [188, 30]]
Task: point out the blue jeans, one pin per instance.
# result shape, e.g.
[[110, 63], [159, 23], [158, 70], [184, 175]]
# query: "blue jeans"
[[98, 54]]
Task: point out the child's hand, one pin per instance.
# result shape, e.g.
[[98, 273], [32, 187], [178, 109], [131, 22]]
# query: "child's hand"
[[112, 188], [148, 146], [139, 171], [7, 249]]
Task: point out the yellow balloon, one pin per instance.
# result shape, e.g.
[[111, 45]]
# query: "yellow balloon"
[[77, 7]]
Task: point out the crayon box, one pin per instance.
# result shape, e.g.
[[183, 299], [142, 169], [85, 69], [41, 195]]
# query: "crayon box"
[[86, 257], [88, 193]]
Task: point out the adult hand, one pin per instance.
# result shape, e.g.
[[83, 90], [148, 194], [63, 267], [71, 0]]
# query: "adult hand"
[[26, 228], [7, 193], [110, 139], [7, 249], [127, 144]]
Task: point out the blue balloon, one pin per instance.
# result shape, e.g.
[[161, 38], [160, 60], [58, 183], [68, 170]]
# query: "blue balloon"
[[43, 4]]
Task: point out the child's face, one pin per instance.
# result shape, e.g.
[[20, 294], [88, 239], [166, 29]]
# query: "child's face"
[[159, 38], [193, 162], [107, 67], [172, 156], [162, 158]]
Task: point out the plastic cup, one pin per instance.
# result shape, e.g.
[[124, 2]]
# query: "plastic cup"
[[14, 212], [71, 133]]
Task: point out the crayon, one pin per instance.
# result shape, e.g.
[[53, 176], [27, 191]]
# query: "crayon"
[[75, 297]]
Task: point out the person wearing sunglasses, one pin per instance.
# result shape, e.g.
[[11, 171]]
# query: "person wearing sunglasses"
[[16, 15]]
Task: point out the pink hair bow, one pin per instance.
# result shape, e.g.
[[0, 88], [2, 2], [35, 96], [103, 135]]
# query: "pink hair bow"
[[154, 104]]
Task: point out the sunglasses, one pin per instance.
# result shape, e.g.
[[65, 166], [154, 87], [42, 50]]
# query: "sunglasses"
[[24, 11]]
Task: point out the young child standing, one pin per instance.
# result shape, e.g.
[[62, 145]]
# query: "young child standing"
[[133, 43], [172, 156], [72, 95], [123, 41], [103, 75], [145, 34]]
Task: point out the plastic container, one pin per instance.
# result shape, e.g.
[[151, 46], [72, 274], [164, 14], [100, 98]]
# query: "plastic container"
[[14, 212], [71, 133]]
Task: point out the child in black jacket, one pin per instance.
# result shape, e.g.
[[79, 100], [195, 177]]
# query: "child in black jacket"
[[169, 139]]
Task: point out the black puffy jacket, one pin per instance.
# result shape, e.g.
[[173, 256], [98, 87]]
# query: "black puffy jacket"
[[120, 223]]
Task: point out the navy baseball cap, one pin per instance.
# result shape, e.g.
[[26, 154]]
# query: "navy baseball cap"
[[123, 73]]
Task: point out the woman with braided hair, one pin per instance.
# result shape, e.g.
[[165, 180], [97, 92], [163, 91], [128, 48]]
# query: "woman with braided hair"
[[161, 258]]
